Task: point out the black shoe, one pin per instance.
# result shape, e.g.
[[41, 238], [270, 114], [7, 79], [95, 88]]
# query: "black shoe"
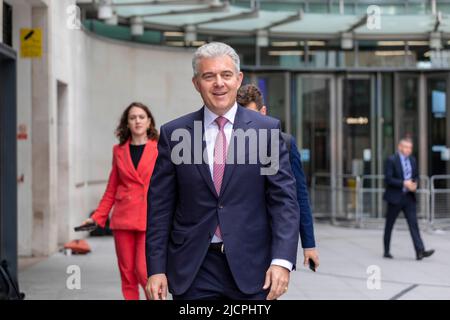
[[388, 256], [424, 254]]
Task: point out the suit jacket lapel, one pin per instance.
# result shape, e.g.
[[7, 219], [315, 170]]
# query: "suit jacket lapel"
[[203, 167], [129, 162], [148, 157], [240, 122]]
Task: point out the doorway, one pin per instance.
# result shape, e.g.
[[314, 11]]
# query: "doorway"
[[63, 208]]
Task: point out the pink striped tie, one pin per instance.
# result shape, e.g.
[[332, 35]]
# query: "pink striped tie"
[[220, 155]]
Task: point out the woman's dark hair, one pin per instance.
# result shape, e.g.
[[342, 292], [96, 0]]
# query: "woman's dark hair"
[[123, 133]]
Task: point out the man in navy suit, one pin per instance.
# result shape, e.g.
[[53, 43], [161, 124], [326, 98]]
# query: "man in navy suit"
[[221, 229], [401, 176], [251, 98]]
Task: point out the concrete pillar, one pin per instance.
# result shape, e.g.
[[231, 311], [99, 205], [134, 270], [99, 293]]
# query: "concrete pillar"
[[43, 144]]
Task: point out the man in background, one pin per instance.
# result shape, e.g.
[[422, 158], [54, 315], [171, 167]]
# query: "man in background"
[[401, 177], [251, 98]]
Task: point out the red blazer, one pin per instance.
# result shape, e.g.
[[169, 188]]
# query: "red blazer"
[[127, 189]]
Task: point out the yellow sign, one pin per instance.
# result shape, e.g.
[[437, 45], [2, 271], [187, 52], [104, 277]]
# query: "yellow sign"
[[31, 43]]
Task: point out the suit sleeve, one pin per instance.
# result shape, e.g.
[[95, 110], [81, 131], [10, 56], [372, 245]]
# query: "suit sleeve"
[[283, 207], [389, 175], [106, 203], [306, 219], [161, 203]]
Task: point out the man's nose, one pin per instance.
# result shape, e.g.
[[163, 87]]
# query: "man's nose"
[[219, 81]]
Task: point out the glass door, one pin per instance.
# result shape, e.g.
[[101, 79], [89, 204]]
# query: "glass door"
[[407, 109], [312, 121], [438, 135], [357, 149], [273, 87], [438, 149]]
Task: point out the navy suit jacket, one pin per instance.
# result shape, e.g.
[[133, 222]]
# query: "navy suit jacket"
[[258, 214], [306, 219], [393, 173]]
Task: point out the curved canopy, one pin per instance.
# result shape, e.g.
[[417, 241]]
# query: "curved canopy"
[[219, 17]]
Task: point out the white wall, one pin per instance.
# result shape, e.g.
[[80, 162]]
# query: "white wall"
[[102, 77]]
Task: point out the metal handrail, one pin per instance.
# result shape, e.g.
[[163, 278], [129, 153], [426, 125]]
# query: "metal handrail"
[[434, 191], [359, 188]]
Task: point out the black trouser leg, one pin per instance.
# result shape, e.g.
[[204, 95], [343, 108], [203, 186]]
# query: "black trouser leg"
[[391, 215], [411, 217]]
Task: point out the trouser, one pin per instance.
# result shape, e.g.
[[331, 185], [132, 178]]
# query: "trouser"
[[214, 281], [408, 206], [130, 250]]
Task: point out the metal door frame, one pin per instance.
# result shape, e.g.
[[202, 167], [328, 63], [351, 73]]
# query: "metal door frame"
[[339, 126], [8, 159], [332, 122]]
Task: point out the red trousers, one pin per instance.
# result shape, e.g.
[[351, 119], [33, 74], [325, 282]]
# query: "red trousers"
[[130, 250]]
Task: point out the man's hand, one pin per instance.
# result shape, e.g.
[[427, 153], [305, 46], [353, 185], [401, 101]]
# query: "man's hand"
[[410, 185], [277, 278], [310, 254], [157, 287]]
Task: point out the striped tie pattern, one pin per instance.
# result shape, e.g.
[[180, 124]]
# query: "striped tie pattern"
[[220, 154]]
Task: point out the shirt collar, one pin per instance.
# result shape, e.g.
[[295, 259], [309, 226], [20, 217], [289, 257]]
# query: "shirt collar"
[[210, 116], [402, 157]]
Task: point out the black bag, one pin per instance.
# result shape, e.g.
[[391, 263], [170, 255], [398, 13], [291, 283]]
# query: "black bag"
[[8, 289], [99, 231]]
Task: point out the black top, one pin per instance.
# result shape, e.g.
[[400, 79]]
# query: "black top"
[[136, 153]]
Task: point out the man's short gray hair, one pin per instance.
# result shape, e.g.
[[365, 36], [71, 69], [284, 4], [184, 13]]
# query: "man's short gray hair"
[[213, 50], [406, 139]]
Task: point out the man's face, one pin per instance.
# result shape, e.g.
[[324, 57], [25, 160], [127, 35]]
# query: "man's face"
[[217, 82], [405, 148]]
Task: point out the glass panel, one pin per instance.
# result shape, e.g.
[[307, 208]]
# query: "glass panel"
[[311, 127], [311, 124], [437, 115], [272, 87], [357, 152], [408, 109], [387, 134], [438, 141]]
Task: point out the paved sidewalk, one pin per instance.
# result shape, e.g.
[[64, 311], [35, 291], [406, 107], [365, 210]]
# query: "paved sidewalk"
[[345, 255]]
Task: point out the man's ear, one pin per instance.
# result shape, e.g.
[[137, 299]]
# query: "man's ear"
[[194, 81], [240, 78], [263, 110]]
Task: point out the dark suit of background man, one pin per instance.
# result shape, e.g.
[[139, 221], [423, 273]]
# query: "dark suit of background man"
[[401, 176], [251, 98], [220, 231]]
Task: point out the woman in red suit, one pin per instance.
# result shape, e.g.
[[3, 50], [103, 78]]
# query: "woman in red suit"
[[132, 166]]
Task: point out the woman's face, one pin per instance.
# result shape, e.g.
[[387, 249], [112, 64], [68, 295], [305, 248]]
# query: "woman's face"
[[138, 121]]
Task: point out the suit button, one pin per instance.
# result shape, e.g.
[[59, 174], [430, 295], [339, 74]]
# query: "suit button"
[[220, 206]]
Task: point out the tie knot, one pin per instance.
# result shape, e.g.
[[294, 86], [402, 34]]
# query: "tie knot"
[[221, 121]]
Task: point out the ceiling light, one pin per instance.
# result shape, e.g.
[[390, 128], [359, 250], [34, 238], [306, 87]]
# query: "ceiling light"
[[346, 40], [190, 34], [105, 10], [262, 38], [137, 26]]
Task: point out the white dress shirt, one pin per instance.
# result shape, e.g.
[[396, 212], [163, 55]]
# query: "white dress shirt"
[[211, 131]]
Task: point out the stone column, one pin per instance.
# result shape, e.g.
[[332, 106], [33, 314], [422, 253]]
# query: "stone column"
[[43, 143]]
